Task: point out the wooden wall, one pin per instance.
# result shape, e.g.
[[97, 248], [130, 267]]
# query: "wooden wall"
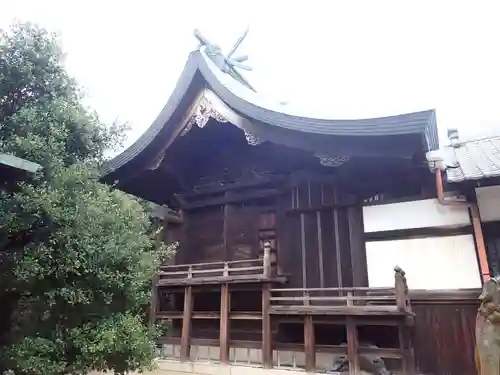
[[444, 332], [322, 236], [317, 232]]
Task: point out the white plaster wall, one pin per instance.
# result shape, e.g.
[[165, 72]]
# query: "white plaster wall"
[[414, 214], [429, 263], [488, 200]]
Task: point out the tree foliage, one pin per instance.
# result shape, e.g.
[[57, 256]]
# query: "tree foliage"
[[76, 257]]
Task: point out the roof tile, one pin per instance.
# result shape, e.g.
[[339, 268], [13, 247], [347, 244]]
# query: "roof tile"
[[470, 160]]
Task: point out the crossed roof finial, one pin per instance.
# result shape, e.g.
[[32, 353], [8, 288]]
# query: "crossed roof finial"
[[226, 63]]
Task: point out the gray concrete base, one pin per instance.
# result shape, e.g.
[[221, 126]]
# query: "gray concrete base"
[[173, 367], [282, 359]]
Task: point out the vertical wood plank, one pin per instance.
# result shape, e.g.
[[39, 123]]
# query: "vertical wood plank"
[[282, 247], [294, 241], [329, 253], [358, 248], [352, 347], [320, 250], [309, 344], [225, 233], [302, 239], [186, 323], [224, 323], [182, 254], [267, 349], [336, 234], [303, 250]]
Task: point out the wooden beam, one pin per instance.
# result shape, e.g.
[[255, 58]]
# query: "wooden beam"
[[411, 233], [352, 347], [233, 198], [309, 344], [224, 323], [235, 187], [267, 349], [186, 324]]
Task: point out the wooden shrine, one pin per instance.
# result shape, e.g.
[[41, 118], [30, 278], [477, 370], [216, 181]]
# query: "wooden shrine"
[[268, 209]]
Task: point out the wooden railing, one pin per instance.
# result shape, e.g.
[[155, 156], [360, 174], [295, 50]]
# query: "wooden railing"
[[214, 269], [352, 307], [225, 270], [347, 300]]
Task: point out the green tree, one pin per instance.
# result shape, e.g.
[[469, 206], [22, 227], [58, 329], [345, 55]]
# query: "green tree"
[[76, 257]]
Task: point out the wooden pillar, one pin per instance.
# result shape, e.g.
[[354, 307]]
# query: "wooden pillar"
[[267, 348], [224, 323], [406, 347], [352, 347], [309, 344], [186, 324]]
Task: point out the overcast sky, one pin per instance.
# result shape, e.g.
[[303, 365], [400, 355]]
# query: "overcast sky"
[[349, 59]]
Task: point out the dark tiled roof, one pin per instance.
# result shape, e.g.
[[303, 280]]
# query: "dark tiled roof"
[[468, 160], [200, 72]]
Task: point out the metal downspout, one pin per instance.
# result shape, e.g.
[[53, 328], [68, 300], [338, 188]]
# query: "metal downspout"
[[476, 224]]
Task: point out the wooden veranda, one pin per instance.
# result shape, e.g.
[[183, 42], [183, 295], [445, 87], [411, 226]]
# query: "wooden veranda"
[[349, 307]]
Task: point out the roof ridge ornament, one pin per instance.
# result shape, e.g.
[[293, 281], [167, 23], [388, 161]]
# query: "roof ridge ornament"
[[331, 160], [226, 63], [203, 111]]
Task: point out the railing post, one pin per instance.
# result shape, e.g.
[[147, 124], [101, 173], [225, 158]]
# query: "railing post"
[[309, 339], [224, 323], [267, 348], [190, 272], [349, 298], [309, 344], [186, 323], [226, 270], [267, 259], [352, 347], [307, 301], [400, 287]]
